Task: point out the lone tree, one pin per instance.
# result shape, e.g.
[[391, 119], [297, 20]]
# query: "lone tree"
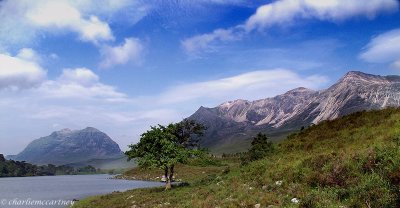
[[260, 147], [165, 146], [188, 132]]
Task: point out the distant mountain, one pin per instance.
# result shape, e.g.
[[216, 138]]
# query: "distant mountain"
[[9, 157], [234, 122], [67, 146]]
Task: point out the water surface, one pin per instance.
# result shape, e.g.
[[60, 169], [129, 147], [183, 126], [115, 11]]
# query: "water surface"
[[53, 189]]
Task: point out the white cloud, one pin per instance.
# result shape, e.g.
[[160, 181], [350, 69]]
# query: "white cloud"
[[20, 71], [203, 42], [25, 22], [385, 48], [79, 83], [161, 115], [23, 73], [130, 51], [251, 86], [29, 54], [62, 15], [287, 12], [81, 76]]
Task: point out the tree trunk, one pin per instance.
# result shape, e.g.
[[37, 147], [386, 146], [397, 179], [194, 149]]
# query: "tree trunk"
[[168, 185], [168, 182], [171, 173], [166, 173]]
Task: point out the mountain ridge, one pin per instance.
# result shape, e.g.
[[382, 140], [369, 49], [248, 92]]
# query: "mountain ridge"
[[70, 146], [298, 107]]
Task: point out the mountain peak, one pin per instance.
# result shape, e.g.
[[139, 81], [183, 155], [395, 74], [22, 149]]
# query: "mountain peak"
[[70, 146], [202, 109], [234, 102], [62, 132], [66, 130], [355, 73], [358, 77], [299, 90], [90, 129]]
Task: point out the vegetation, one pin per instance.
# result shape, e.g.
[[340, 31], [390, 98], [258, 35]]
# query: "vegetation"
[[196, 170], [164, 147], [260, 148], [11, 168], [348, 162]]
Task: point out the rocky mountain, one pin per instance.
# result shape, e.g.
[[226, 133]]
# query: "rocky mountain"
[[67, 146], [235, 121]]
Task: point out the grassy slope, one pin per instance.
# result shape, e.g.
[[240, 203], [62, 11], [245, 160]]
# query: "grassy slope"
[[192, 172], [349, 162], [242, 142], [107, 164]]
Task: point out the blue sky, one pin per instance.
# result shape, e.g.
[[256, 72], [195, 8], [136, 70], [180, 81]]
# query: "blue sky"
[[123, 65]]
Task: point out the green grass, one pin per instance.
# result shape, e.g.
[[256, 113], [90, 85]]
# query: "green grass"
[[242, 142], [349, 162], [185, 173]]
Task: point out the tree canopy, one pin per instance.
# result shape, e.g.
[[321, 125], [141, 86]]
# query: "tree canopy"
[[11, 168], [165, 146], [260, 147]]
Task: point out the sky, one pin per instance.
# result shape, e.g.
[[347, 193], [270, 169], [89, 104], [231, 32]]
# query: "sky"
[[124, 65]]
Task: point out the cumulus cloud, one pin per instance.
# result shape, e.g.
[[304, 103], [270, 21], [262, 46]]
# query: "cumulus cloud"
[[62, 15], [82, 76], [79, 83], [130, 51], [29, 54], [24, 22], [21, 71], [384, 48], [251, 85], [286, 12]]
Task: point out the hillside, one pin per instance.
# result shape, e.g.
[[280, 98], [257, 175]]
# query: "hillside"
[[231, 123], [352, 161], [120, 162], [67, 146]]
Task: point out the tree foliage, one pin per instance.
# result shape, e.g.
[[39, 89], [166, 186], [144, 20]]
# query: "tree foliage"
[[260, 148], [11, 168], [165, 146], [188, 132]]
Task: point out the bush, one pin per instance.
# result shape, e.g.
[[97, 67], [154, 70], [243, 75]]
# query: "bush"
[[260, 148], [373, 191]]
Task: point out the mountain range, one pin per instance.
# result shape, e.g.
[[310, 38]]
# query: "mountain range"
[[231, 125], [71, 147]]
